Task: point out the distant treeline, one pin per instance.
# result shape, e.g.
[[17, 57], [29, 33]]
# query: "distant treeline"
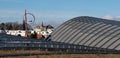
[[13, 26]]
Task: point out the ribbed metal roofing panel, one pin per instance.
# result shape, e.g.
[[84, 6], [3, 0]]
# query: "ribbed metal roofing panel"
[[89, 31]]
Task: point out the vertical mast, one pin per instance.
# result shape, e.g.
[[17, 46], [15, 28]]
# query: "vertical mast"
[[26, 28]]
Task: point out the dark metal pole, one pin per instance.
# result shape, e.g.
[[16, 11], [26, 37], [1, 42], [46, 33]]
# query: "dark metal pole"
[[26, 29]]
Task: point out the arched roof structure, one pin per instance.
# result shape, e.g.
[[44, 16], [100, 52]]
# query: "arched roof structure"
[[89, 31]]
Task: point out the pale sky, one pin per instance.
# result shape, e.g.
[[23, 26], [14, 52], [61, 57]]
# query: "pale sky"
[[55, 12]]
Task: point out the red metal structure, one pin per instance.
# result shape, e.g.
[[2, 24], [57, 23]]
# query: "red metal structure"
[[26, 29], [26, 22]]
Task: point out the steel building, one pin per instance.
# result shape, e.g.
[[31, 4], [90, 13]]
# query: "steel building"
[[79, 35], [89, 31]]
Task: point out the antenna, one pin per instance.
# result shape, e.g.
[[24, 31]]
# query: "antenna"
[[26, 30], [26, 21]]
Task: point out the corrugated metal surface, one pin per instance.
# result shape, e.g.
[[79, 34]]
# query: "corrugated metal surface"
[[15, 42], [89, 31]]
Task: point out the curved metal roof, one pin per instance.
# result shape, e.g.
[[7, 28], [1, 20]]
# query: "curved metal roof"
[[89, 31]]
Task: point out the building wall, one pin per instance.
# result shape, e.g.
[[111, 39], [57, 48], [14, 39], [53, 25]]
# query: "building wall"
[[89, 31], [16, 32]]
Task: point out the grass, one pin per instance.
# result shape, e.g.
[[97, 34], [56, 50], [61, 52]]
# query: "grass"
[[19, 51], [73, 56], [56, 55]]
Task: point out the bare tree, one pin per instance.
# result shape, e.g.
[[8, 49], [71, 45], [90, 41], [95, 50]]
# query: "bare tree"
[[13, 26]]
